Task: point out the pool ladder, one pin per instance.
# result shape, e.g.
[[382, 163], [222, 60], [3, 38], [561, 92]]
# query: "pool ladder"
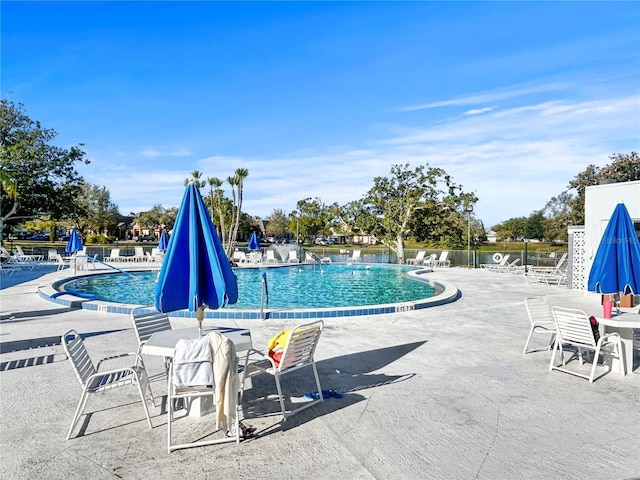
[[264, 294]]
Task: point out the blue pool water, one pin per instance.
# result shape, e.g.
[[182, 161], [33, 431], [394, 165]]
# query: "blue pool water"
[[293, 287]]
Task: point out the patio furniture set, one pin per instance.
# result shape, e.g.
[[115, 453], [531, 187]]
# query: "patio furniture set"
[[572, 331], [205, 375]]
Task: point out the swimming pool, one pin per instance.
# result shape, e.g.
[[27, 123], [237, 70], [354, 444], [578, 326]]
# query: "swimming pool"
[[304, 286], [299, 291]]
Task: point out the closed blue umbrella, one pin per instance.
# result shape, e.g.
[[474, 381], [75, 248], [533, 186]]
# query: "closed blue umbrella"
[[195, 273], [616, 266], [164, 241], [254, 243], [75, 242]]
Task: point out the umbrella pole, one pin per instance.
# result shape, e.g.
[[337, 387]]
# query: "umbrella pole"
[[200, 318]]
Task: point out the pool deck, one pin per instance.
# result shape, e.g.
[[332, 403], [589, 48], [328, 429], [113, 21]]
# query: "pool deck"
[[437, 393]]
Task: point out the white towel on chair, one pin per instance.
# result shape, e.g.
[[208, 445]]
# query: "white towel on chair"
[[192, 365]]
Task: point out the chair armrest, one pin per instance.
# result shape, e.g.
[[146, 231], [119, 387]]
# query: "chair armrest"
[[606, 337], [262, 358], [122, 355]]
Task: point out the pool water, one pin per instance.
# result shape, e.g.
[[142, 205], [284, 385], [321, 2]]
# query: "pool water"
[[292, 287]]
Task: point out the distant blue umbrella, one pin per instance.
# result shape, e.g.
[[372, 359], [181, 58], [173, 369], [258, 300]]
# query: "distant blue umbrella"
[[616, 266], [75, 242], [254, 243], [164, 241], [195, 273]]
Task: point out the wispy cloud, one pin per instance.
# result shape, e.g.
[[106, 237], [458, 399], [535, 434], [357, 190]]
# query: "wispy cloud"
[[489, 96], [515, 159], [153, 153]]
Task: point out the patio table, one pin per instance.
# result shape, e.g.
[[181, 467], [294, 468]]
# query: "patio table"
[[164, 344], [623, 324]]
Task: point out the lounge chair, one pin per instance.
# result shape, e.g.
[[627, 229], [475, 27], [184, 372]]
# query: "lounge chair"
[[443, 260], [114, 256], [93, 380], [240, 257], [419, 259], [494, 267], [556, 275], [574, 329], [293, 256], [271, 256], [297, 353], [355, 256], [541, 319], [138, 255], [29, 258]]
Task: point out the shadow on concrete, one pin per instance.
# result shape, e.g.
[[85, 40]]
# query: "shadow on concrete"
[[346, 374], [25, 276], [16, 317], [36, 343]]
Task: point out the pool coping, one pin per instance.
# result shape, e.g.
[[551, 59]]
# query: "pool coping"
[[450, 293]]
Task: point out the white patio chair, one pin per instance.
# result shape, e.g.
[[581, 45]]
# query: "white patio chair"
[[114, 256], [240, 257], [298, 353], [541, 319], [271, 257], [574, 328], [293, 256], [93, 380], [443, 260], [419, 259], [355, 256], [138, 254], [191, 377], [147, 321]]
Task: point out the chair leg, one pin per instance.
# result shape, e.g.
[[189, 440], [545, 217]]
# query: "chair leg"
[[281, 398], [524, 352], [142, 378], [79, 409]]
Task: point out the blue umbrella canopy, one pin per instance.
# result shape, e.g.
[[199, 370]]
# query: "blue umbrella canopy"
[[75, 242], [164, 241], [616, 266], [195, 272], [254, 243]]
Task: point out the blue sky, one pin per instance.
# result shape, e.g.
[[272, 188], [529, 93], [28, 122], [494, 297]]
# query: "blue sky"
[[512, 99]]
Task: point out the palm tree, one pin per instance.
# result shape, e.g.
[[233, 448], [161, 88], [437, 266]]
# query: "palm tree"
[[214, 185]]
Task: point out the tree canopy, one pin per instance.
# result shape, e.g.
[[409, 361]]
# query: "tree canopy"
[[38, 178], [423, 202]]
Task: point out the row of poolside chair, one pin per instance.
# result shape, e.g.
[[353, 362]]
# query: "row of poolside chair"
[[556, 275], [421, 259], [504, 266]]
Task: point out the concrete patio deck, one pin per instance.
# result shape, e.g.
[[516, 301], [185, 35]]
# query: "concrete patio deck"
[[440, 393]]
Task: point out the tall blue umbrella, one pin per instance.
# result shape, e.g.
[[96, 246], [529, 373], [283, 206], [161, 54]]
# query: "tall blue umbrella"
[[195, 273], [254, 243], [616, 266], [75, 242], [164, 241]]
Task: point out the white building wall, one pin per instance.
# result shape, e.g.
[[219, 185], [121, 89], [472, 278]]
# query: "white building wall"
[[600, 201]]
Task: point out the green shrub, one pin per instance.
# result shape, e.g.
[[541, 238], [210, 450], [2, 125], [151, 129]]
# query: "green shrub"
[[98, 239]]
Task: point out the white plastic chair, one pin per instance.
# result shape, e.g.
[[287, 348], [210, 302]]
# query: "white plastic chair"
[[146, 322], [574, 328], [93, 381], [541, 319], [443, 260], [191, 377], [419, 260], [298, 353], [271, 256], [293, 256]]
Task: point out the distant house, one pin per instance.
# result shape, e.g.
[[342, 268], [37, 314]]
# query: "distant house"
[[492, 237]]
